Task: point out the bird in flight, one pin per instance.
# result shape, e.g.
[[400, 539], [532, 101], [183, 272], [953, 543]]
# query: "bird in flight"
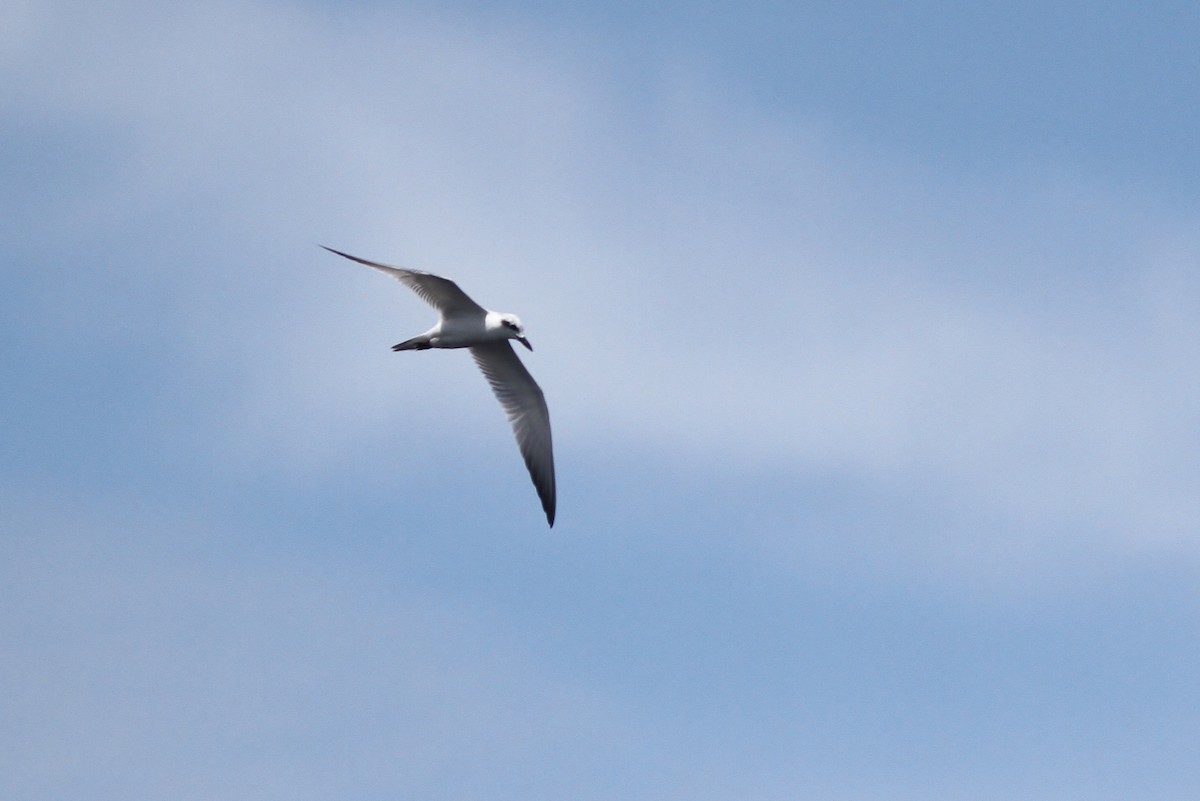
[[463, 323]]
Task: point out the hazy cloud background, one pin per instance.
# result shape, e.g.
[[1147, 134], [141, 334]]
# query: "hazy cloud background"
[[869, 338]]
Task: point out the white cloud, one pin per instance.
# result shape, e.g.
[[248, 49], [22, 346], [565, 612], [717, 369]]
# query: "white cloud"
[[701, 279]]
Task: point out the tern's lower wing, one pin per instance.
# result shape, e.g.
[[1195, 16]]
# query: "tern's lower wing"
[[525, 406]]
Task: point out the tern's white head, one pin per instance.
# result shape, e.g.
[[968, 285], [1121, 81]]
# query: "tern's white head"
[[510, 326]]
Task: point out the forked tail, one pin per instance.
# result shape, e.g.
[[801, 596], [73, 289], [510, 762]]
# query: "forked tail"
[[416, 343]]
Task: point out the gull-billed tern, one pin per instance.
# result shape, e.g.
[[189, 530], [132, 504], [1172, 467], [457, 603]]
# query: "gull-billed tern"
[[463, 323]]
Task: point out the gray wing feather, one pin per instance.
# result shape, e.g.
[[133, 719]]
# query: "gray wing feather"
[[525, 406], [440, 293]]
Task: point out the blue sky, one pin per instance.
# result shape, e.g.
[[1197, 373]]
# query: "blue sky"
[[869, 336]]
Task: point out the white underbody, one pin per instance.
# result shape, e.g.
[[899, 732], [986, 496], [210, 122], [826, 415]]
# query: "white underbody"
[[466, 331]]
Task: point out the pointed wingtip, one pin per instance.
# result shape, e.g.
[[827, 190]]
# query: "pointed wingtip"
[[338, 252]]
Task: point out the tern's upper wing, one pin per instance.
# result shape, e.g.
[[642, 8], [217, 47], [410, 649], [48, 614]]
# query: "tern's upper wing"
[[440, 293], [525, 406]]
